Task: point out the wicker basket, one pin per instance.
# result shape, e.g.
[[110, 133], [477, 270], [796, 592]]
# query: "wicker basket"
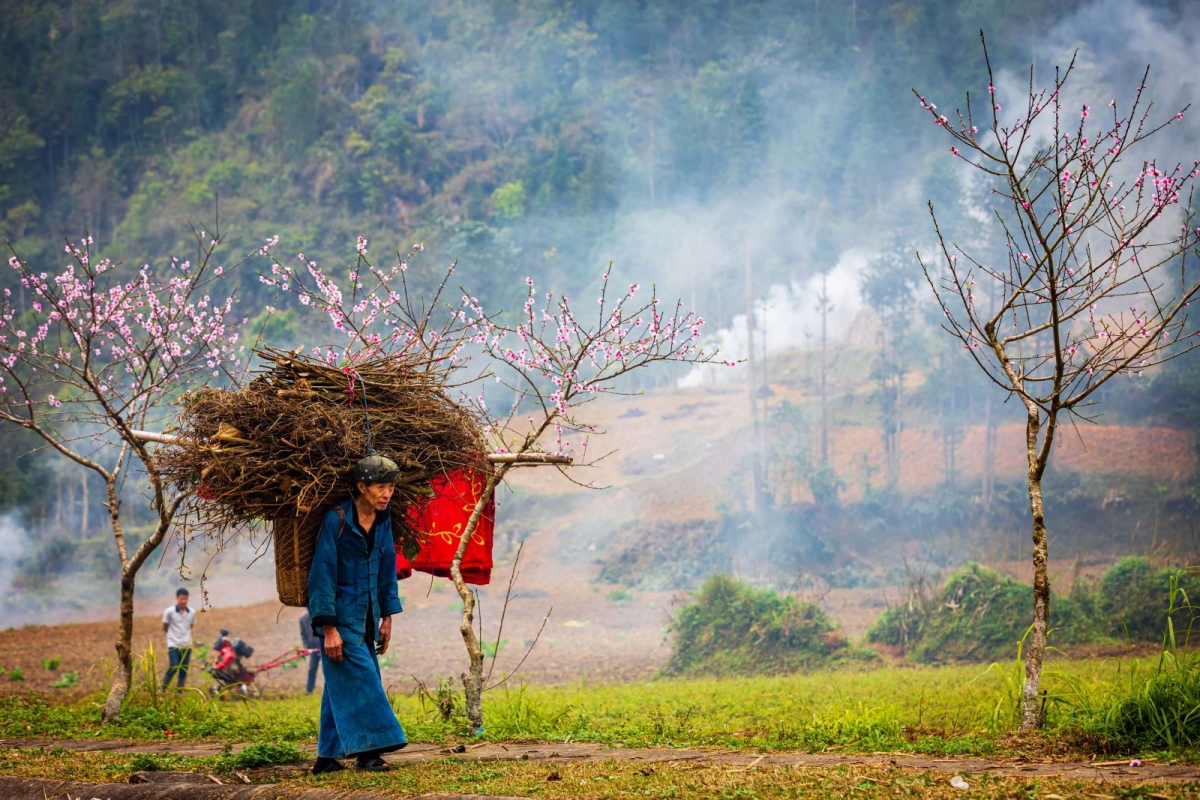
[[295, 540]]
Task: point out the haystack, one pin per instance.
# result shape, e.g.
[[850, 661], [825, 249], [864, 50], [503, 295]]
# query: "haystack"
[[281, 449]]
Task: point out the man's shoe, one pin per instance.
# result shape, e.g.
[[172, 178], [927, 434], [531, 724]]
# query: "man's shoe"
[[371, 763], [324, 765]]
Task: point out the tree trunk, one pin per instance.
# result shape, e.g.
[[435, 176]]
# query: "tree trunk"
[[989, 455], [119, 689], [759, 489], [1031, 711], [473, 678], [83, 503], [824, 369]]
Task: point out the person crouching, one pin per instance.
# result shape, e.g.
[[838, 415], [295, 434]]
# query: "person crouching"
[[351, 599]]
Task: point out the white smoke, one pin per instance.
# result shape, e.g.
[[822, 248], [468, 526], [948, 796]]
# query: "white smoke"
[[789, 318], [13, 545]]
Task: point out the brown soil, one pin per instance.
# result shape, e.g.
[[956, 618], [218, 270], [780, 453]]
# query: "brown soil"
[[587, 637], [692, 438]]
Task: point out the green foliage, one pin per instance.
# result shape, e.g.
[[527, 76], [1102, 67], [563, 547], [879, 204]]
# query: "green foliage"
[[1152, 705], [188, 715], [66, 681], [731, 628], [261, 754], [51, 663], [328, 118], [980, 615], [899, 626], [619, 596], [508, 201], [1134, 596], [492, 648], [16, 674]]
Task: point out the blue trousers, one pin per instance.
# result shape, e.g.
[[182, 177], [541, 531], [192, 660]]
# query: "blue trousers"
[[178, 658], [356, 716], [314, 663]]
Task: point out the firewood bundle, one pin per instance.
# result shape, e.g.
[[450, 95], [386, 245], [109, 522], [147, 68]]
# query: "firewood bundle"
[[283, 446]]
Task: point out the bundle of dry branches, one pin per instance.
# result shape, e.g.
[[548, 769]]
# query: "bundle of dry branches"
[[284, 445]]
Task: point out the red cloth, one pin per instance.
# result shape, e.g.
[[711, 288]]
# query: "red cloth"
[[441, 521]]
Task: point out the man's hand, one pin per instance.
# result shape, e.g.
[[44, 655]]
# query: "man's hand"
[[333, 643], [385, 636]]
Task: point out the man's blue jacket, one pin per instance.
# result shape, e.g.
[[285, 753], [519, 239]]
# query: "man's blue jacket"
[[345, 582]]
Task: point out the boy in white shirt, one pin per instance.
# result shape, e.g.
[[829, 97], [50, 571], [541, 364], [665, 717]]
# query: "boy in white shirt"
[[178, 621]]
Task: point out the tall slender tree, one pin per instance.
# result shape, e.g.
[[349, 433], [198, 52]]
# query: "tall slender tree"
[[1096, 279]]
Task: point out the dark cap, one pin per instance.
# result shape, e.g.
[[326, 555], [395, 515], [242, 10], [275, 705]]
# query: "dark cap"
[[376, 469]]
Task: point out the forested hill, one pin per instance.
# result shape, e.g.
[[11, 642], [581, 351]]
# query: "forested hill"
[[689, 142], [515, 135]]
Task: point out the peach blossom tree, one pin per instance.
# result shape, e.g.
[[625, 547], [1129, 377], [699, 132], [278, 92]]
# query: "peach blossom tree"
[[91, 354], [1093, 282]]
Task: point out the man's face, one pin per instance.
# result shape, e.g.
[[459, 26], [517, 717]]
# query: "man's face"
[[181, 600], [377, 494]]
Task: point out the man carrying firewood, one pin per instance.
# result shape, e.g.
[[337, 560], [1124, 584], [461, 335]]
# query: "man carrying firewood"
[[351, 599]]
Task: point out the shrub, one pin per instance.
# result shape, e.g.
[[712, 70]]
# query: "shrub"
[[903, 624], [1134, 597], [733, 628], [980, 615]]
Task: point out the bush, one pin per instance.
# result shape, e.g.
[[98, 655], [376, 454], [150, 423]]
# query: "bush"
[[903, 624], [1134, 597], [733, 628], [980, 615], [900, 626]]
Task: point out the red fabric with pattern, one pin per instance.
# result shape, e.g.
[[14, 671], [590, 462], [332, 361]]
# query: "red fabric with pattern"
[[441, 520]]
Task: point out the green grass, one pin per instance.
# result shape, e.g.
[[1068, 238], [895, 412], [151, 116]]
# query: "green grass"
[[950, 710]]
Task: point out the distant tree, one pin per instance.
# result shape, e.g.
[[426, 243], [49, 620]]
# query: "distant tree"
[[1095, 284], [888, 287], [88, 359]]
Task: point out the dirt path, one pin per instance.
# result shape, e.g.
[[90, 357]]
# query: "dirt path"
[[40, 789], [1102, 772]]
